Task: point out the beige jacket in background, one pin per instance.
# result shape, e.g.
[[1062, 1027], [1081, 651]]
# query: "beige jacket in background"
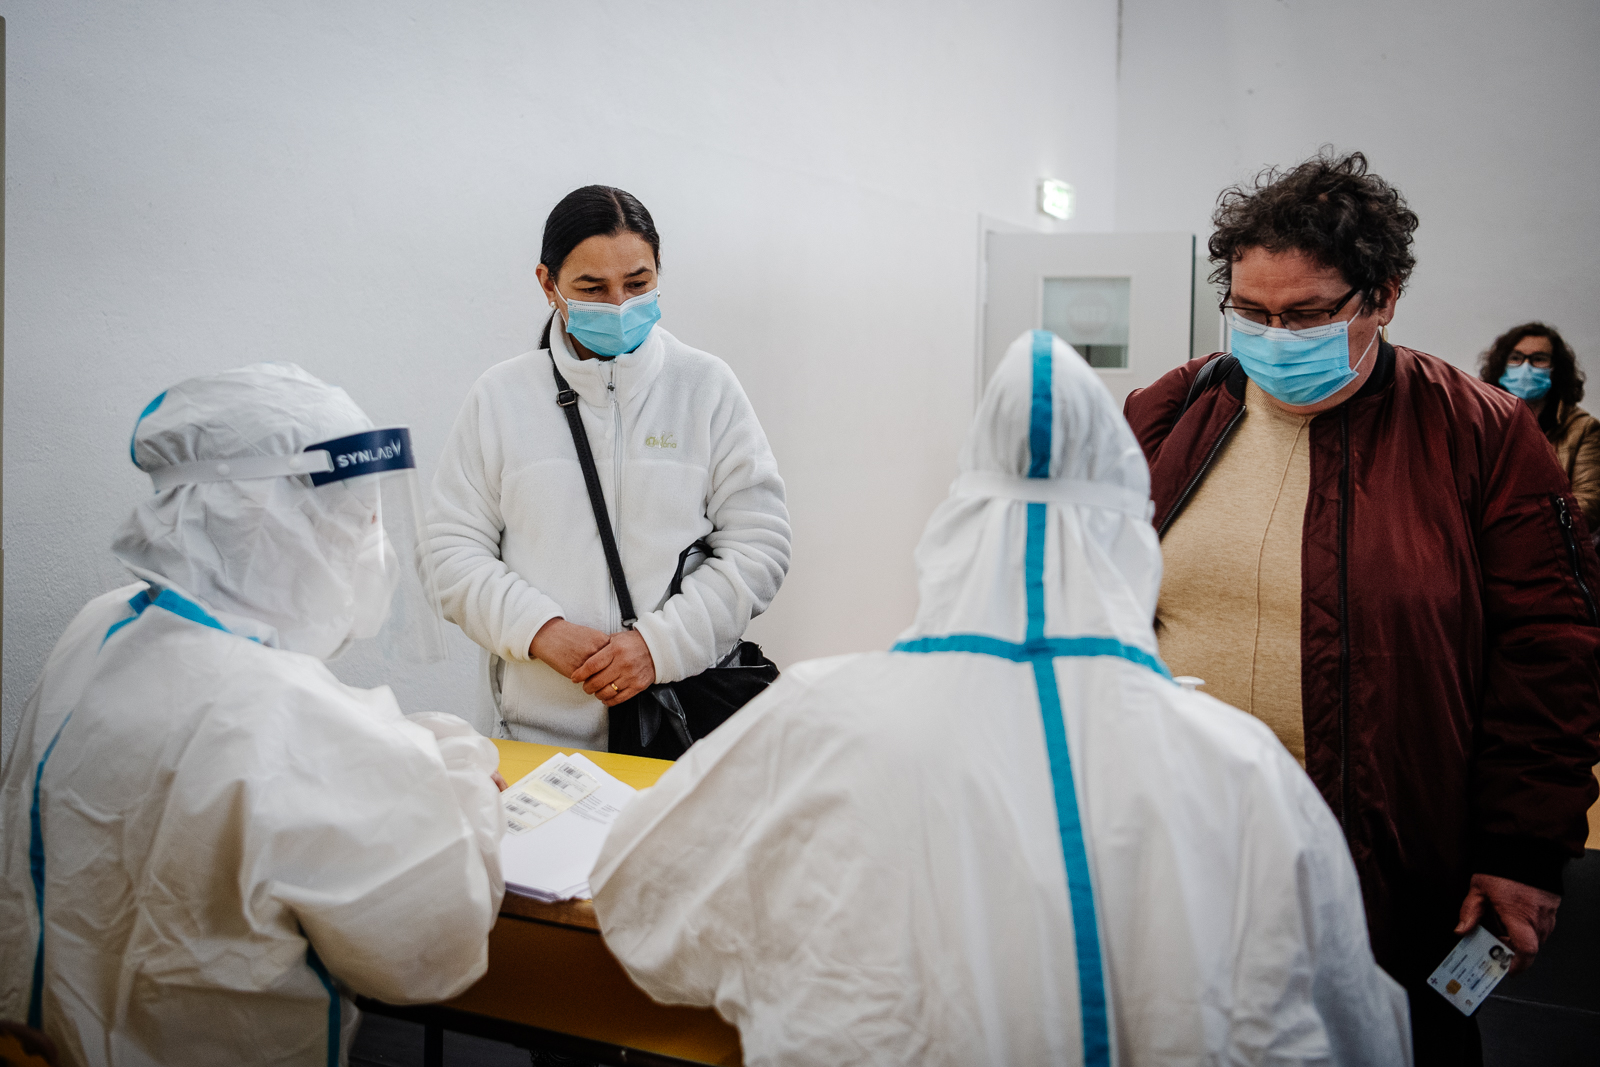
[[1577, 443]]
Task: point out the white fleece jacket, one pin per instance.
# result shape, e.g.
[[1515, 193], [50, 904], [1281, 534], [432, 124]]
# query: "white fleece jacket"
[[680, 456]]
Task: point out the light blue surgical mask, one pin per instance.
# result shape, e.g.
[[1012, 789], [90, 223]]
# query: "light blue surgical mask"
[[1526, 381], [1298, 367], [613, 329]]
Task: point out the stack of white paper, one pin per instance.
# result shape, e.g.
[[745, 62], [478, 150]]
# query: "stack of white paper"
[[556, 820]]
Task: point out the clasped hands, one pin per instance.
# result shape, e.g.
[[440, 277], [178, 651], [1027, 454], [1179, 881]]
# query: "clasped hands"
[[610, 668]]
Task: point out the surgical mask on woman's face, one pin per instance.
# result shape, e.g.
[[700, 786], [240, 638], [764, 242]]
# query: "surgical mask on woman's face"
[[373, 581], [1298, 367], [613, 329], [1526, 381]]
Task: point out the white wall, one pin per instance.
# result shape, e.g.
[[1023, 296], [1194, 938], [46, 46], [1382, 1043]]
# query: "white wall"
[[1481, 112], [361, 187]]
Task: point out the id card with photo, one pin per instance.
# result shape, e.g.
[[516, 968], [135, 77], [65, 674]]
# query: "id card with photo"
[[1472, 970]]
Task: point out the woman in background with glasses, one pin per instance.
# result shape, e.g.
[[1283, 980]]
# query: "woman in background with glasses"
[[1531, 361]]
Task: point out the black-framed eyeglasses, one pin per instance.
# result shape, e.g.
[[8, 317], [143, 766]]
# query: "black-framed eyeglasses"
[[1538, 359], [1298, 319]]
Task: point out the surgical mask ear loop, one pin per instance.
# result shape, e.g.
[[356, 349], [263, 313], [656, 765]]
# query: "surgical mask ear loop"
[[1370, 343]]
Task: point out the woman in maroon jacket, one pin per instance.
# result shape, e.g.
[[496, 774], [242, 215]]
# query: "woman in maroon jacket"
[[1378, 555]]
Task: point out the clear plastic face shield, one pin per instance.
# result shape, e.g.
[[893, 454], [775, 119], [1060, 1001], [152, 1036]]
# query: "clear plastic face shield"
[[370, 511], [395, 599]]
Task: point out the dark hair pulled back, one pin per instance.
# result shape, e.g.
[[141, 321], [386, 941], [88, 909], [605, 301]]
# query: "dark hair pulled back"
[[593, 211]]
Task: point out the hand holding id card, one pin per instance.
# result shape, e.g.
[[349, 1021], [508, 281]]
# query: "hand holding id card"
[[1472, 970]]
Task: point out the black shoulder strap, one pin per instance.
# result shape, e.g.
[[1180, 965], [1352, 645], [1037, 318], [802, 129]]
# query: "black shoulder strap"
[[1215, 372], [683, 561], [568, 400]]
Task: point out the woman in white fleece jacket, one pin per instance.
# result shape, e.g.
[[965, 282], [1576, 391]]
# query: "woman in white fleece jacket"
[[680, 456]]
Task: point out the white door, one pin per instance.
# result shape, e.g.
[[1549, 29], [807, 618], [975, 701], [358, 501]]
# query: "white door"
[[1125, 301]]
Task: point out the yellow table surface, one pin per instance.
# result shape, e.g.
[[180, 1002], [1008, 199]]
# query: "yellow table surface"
[[548, 966]]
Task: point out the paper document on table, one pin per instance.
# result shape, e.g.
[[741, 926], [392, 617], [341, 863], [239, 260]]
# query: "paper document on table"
[[556, 820], [554, 787]]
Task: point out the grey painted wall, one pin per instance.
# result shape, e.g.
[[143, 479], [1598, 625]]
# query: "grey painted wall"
[[361, 186], [1481, 112]]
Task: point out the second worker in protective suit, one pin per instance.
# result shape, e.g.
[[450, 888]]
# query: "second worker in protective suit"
[[209, 841], [1012, 839]]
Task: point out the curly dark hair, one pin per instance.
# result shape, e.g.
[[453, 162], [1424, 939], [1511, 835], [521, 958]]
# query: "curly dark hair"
[[1566, 377], [1328, 207]]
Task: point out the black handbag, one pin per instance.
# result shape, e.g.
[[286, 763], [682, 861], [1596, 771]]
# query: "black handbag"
[[693, 707]]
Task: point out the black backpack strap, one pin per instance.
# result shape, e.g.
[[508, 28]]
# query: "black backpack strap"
[[1214, 372], [568, 400]]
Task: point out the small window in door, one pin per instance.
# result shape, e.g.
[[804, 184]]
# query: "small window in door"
[[1091, 315]]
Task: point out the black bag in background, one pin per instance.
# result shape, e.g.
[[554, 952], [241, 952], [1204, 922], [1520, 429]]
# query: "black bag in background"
[[667, 718]]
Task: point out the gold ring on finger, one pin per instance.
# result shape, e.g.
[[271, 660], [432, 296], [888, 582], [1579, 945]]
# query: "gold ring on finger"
[[614, 688]]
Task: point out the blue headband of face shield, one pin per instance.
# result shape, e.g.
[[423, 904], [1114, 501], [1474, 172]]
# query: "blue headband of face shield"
[[368, 452]]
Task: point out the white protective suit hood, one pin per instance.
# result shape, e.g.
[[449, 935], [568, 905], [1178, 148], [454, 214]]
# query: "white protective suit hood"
[[1045, 431], [1012, 840], [274, 558]]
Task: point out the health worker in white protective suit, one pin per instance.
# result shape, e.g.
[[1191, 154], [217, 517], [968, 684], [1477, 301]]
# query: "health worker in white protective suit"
[[210, 843], [1012, 839]]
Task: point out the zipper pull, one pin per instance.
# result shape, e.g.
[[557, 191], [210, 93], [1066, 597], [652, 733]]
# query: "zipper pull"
[[1562, 513]]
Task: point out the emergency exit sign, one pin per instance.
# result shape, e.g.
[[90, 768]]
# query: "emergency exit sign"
[[1056, 198]]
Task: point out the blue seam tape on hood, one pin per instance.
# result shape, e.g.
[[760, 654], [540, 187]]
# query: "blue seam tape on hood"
[[36, 869], [1041, 413], [132, 437]]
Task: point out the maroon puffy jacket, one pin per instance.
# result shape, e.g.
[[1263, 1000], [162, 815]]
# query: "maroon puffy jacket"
[[1448, 631]]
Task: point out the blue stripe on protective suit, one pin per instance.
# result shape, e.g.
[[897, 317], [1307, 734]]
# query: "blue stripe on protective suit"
[[185, 608], [334, 1008], [36, 869], [1042, 412], [1045, 648], [138, 602], [1041, 652], [180, 606], [177, 605], [1080, 890], [132, 437], [1033, 569]]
